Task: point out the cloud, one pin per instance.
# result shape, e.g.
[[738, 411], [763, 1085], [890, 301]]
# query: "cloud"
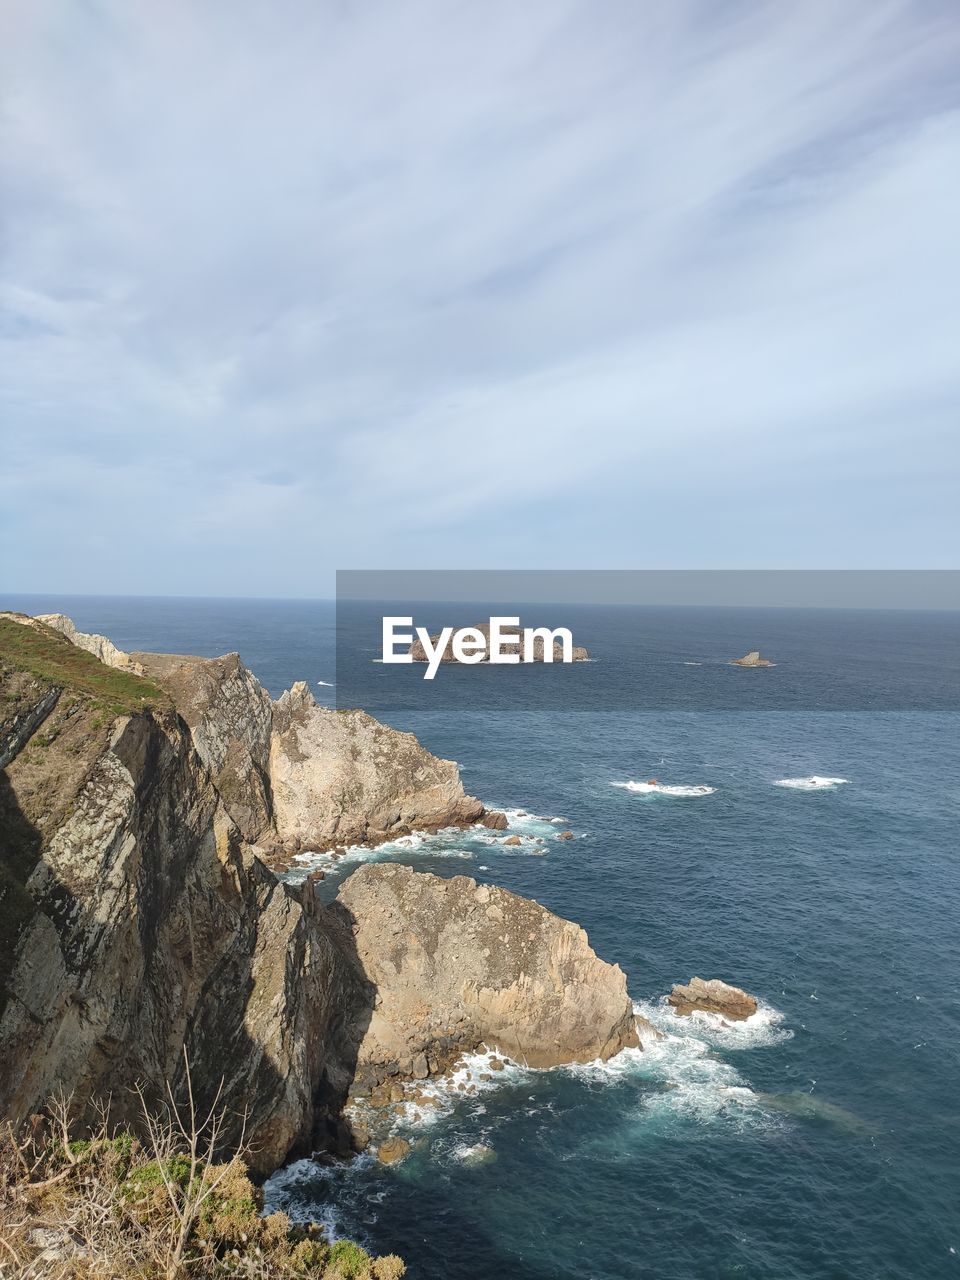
[[319, 285]]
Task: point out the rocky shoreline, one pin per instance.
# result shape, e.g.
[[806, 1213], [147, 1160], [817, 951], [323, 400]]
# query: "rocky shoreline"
[[142, 797], [141, 800]]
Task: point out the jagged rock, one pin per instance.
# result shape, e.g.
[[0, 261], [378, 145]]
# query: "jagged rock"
[[341, 777], [494, 820], [499, 969], [392, 1150], [295, 775], [564, 835], [647, 1031], [712, 996], [230, 718], [579, 654], [752, 659]]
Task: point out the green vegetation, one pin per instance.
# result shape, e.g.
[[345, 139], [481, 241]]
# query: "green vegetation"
[[51, 658], [157, 1208]]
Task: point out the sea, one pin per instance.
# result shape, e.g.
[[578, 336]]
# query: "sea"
[[807, 855]]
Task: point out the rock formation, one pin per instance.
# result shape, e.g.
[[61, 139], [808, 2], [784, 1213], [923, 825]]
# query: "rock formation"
[[102, 648], [712, 997], [296, 775], [457, 965], [419, 653], [752, 659], [137, 920], [341, 777]]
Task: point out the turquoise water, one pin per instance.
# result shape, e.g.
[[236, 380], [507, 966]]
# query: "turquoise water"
[[820, 1141]]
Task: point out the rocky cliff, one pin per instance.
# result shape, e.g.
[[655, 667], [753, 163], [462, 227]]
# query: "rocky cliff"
[[138, 923], [296, 775], [457, 965]]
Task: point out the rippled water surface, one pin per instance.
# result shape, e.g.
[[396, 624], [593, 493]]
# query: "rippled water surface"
[[818, 1140]]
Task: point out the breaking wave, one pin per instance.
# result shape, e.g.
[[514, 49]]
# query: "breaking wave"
[[681, 1061], [814, 783], [653, 788]]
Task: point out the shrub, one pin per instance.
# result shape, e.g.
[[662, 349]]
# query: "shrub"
[[156, 1207]]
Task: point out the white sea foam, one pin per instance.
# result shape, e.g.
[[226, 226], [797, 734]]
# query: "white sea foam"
[[691, 664], [684, 1061], [652, 788], [762, 1029], [327, 684], [814, 783], [292, 1189], [520, 820]]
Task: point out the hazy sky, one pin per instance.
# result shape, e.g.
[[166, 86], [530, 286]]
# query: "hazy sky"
[[288, 286]]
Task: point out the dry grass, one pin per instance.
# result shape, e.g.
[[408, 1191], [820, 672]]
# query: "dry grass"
[[160, 1207]]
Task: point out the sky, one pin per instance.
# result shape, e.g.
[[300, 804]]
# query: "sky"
[[310, 285]]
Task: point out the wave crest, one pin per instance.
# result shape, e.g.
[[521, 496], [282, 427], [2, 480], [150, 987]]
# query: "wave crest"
[[652, 788], [815, 782]]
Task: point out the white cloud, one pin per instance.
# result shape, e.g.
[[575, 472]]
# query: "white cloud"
[[440, 262]]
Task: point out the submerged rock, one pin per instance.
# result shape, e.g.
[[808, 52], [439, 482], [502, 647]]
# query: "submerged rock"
[[457, 965], [478, 1154], [392, 1150], [712, 996]]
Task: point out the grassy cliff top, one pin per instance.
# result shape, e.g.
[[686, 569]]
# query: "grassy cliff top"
[[50, 657]]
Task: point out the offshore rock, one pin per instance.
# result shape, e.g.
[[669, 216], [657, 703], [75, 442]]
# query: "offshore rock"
[[713, 996], [512, 643], [752, 659], [457, 965]]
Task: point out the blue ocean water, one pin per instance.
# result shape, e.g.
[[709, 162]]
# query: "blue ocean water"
[[820, 1141]]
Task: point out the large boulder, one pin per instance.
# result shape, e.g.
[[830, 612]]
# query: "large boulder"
[[457, 965], [712, 996]]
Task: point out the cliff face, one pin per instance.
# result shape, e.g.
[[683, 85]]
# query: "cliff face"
[[293, 774], [145, 927], [138, 923]]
